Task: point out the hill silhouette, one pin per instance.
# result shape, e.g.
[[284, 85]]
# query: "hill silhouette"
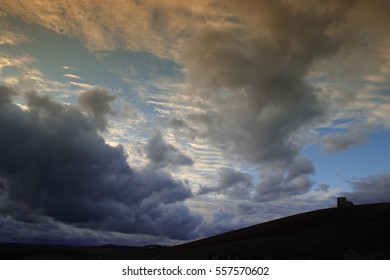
[[358, 232]]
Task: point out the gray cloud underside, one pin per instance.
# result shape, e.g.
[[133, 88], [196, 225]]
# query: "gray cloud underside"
[[374, 188], [96, 102], [232, 183], [55, 165], [253, 80], [255, 87], [162, 154], [356, 134]]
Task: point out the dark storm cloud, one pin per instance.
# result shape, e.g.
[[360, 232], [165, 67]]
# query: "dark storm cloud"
[[234, 184], [55, 165], [162, 154], [253, 77], [374, 188], [97, 102]]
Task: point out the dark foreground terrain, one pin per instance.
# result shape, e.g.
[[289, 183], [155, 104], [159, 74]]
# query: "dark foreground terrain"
[[358, 232]]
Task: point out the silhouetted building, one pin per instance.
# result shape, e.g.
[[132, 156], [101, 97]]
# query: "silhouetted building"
[[342, 202]]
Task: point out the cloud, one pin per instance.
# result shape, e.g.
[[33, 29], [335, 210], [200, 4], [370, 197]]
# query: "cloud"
[[374, 188], [154, 26], [260, 72], [323, 187], [53, 232], [19, 72], [161, 154], [234, 184], [9, 38], [7, 94], [71, 76], [358, 88], [82, 86], [55, 165], [253, 79], [251, 54], [21, 61], [293, 180], [335, 142], [9, 35], [182, 127], [96, 102]]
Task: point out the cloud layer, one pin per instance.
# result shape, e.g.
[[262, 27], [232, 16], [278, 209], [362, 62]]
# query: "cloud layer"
[[155, 26], [254, 83], [254, 80]]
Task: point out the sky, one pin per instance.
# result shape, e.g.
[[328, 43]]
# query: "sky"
[[139, 122]]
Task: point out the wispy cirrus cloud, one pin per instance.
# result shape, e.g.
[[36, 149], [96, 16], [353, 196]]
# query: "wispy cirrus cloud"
[[72, 76]]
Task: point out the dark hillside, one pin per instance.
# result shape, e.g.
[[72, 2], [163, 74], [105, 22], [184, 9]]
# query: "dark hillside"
[[309, 221], [358, 232], [361, 232]]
